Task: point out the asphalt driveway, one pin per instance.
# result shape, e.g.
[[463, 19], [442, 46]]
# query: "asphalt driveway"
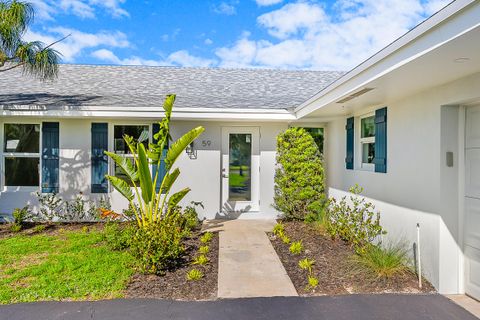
[[358, 307]]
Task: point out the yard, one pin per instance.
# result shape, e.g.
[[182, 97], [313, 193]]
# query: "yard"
[[76, 262]]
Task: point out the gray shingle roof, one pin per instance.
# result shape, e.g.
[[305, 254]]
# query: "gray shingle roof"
[[130, 86]]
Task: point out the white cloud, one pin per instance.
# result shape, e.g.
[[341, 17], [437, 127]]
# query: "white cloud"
[[109, 56], [46, 9], [208, 41], [179, 58], [292, 18], [184, 59], [225, 8], [306, 37], [78, 41], [267, 2]]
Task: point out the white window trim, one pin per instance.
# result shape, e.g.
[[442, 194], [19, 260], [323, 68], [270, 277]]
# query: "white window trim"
[[361, 141], [4, 155], [111, 144]]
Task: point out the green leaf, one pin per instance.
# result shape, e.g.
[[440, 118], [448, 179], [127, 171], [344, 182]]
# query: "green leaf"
[[125, 164], [177, 197], [180, 145], [121, 186], [169, 180], [168, 105], [144, 175]]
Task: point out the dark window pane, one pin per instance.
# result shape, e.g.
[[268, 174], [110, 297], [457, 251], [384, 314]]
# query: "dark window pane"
[[21, 172], [368, 152], [21, 138], [368, 127], [133, 131], [317, 135], [239, 173]]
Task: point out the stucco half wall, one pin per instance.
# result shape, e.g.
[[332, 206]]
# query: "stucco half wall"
[[201, 173]]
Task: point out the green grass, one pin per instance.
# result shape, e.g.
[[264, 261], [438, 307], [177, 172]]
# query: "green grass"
[[73, 265], [236, 180]]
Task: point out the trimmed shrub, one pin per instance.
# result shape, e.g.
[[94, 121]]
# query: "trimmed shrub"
[[158, 246], [299, 177]]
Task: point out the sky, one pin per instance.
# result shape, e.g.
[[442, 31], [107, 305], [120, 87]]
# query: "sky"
[[301, 34]]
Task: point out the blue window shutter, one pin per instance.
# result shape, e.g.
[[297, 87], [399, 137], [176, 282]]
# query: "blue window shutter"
[[350, 143], [380, 159], [50, 157], [99, 159], [163, 169]]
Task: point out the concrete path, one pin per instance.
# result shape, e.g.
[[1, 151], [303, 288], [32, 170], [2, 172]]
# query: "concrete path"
[[358, 307], [469, 304], [248, 266]]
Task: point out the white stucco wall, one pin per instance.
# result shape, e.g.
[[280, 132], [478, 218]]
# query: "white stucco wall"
[[202, 174], [418, 187]]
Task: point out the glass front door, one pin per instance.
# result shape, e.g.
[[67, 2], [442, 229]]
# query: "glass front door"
[[240, 169]]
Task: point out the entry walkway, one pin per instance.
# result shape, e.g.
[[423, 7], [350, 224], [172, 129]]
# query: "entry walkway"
[[248, 266]]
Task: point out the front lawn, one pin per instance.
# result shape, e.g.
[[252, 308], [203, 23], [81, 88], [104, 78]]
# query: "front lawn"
[[61, 265]]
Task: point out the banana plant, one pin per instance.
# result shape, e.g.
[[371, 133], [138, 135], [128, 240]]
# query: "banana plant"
[[153, 205]]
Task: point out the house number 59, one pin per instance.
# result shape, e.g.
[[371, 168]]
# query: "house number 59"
[[206, 143]]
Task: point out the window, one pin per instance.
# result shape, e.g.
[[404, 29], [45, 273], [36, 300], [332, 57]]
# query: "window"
[[367, 141], [317, 135], [21, 155], [121, 147]]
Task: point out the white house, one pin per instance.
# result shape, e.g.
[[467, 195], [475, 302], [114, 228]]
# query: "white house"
[[404, 125]]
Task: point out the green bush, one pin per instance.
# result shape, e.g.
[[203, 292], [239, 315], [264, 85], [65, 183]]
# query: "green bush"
[[158, 246], [355, 223], [118, 236], [382, 262], [20, 215], [15, 228], [191, 216], [299, 178]]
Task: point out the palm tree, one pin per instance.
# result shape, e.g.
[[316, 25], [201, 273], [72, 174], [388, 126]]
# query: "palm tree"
[[36, 58]]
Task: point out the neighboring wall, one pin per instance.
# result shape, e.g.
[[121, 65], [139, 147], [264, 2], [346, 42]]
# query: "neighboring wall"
[[418, 187], [202, 174]]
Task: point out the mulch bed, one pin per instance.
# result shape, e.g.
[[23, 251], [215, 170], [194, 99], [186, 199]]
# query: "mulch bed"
[[174, 284], [333, 266]]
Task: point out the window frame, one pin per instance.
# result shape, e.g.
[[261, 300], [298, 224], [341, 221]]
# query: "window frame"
[[361, 141], [4, 155], [111, 144]]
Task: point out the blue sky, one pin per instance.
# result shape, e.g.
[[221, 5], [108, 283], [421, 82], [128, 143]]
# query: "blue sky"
[[302, 34]]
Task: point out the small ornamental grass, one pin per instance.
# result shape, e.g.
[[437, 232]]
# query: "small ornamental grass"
[[382, 262], [206, 237], [194, 275], [201, 260], [296, 247]]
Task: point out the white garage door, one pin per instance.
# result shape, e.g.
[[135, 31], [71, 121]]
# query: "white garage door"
[[472, 201]]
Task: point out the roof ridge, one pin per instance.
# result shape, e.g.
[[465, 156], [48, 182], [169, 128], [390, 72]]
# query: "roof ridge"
[[198, 68]]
